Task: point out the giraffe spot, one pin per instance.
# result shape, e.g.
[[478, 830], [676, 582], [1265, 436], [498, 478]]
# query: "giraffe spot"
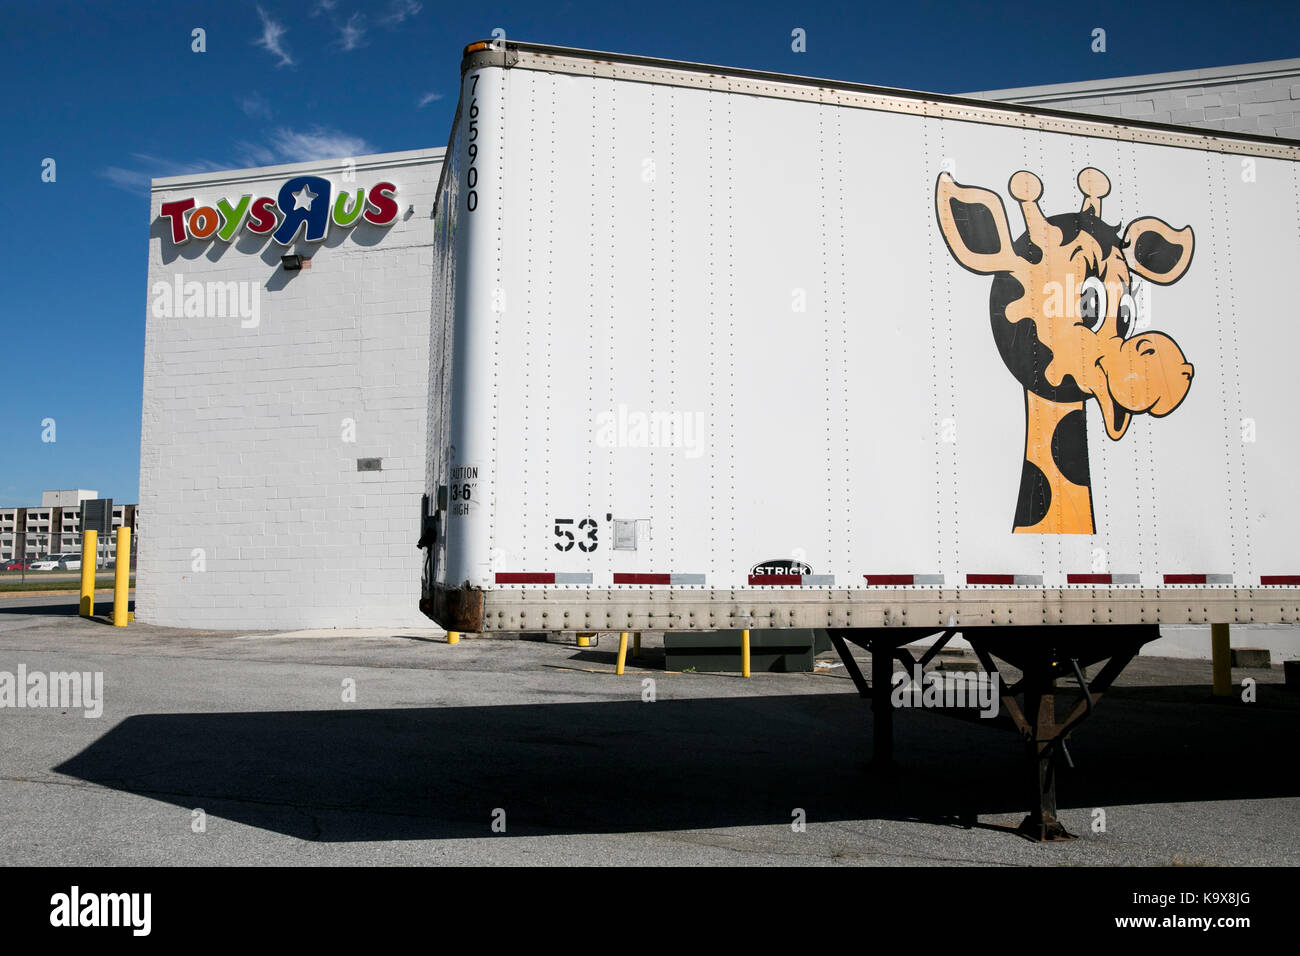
[[1070, 448], [1035, 496], [1073, 223], [1153, 252], [976, 226], [1025, 355]]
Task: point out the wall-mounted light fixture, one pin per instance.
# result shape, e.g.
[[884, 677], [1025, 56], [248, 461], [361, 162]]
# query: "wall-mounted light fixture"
[[295, 262]]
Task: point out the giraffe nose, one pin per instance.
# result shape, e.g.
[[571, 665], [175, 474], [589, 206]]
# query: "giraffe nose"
[[1154, 375]]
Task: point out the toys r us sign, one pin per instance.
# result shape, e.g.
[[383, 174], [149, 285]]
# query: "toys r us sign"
[[303, 204]]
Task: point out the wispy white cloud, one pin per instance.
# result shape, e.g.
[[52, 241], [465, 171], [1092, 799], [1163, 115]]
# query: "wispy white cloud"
[[283, 146], [426, 99], [136, 179], [132, 180], [320, 142], [254, 154], [255, 105], [324, 6], [353, 33], [399, 10], [271, 39]]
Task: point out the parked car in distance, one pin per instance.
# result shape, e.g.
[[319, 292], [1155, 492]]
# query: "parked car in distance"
[[68, 561], [17, 564]]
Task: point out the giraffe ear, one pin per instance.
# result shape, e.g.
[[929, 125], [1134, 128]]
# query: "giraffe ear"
[[974, 225], [1158, 251]]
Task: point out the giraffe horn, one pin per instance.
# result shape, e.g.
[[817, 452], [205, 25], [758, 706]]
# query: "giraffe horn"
[[1026, 188], [1095, 186]]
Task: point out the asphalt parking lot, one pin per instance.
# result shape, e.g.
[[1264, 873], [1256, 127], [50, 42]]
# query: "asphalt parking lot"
[[252, 729]]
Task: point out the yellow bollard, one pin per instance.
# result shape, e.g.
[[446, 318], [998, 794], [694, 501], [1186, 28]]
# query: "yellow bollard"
[[584, 640], [1221, 650], [121, 577], [453, 637], [636, 644], [622, 651], [744, 653], [89, 551]]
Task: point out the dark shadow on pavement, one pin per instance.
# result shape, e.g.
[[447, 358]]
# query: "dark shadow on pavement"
[[53, 609], [629, 766], [71, 609]]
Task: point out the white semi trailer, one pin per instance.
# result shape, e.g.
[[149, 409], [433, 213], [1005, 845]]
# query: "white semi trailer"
[[722, 349]]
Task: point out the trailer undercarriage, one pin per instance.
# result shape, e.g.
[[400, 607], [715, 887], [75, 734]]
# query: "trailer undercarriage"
[[1042, 656]]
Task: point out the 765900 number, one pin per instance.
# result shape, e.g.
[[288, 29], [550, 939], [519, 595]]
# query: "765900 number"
[[471, 174]]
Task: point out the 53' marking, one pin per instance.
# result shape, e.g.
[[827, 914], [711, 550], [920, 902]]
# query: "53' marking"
[[587, 527]]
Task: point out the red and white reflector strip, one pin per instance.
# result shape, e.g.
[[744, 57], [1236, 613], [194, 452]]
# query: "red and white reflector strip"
[[1181, 578], [674, 580], [792, 579], [902, 580], [543, 577], [886, 580], [1103, 579], [1034, 580]]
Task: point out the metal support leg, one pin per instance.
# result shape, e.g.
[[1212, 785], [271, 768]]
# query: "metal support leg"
[[850, 665], [1044, 738], [1044, 756], [882, 710]]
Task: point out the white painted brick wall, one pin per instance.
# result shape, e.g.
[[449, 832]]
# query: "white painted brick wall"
[[242, 453], [1261, 98]]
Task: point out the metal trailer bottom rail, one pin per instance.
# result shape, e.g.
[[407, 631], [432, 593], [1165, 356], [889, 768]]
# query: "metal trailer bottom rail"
[[476, 610]]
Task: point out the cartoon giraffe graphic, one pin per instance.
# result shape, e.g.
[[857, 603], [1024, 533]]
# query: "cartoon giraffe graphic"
[[1066, 324]]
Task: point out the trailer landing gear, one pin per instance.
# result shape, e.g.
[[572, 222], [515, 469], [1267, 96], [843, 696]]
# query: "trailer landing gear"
[[1042, 655]]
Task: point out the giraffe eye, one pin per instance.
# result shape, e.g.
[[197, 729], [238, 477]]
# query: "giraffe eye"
[[1126, 320], [1092, 304]]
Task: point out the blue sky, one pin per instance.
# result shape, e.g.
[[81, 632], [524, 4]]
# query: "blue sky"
[[114, 94]]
